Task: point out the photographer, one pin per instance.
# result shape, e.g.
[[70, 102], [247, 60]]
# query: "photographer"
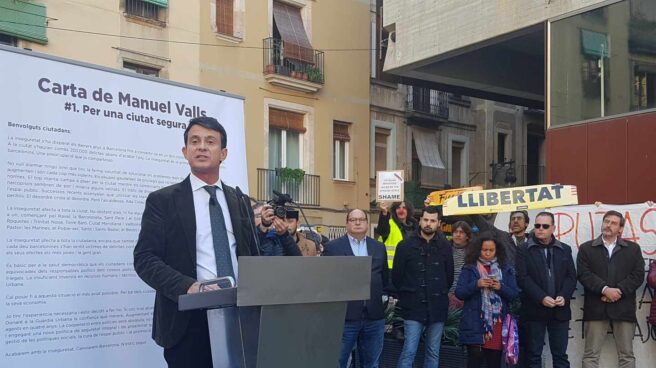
[[274, 239]]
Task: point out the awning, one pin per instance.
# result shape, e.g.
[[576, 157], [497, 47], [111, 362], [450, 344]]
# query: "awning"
[[595, 43], [23, 20], [427, 149], [162, 3], [296, 44]]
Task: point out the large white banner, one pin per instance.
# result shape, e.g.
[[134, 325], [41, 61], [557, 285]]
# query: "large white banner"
[[83, 148], [574, 226]]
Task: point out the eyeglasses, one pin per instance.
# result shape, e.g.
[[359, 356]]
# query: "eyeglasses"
[[544, 226], [357, 219]]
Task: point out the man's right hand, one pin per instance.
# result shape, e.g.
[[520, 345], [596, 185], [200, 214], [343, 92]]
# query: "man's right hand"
[[548, 302], [612, 294], [194, 288], [384, 208]]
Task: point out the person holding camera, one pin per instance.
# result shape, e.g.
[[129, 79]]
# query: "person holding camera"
[[275, 239]]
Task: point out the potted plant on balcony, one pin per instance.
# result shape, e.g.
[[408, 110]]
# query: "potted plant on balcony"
[[315, 75], [269, 69], [289, 175]]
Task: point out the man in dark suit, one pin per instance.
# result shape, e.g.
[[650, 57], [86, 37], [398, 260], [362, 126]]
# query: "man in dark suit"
[[365, 319], [190, 232], [546, 275]]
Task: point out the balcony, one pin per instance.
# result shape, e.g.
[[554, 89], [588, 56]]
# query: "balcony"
[[305, 74], [426, 106], [303, 192]]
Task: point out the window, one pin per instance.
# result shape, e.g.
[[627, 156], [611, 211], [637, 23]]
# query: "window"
[[644, 87], [147, 9], [602, 62], [382, 147], [140, 69], [225, 17], [8, 40], [341, 139], [501, 147], [285, 138], [457, 149], [458, 160], [382, 138]]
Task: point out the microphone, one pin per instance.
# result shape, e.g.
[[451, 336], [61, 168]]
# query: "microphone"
[[244, 201], [283, 197]]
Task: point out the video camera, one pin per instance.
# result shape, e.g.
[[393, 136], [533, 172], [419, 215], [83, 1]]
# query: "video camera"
[[278, 203]]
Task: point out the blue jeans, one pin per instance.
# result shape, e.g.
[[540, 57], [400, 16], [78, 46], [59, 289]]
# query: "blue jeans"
[[412, 331], [558, 338], [369, 337]]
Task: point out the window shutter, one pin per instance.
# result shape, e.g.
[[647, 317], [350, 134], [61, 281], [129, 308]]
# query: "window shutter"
[[225, 17], [287, 120], [296, 44], [341, 131]]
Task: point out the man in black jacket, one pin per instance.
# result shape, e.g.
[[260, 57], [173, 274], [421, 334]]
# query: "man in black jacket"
[[546, 275], [422, 275], [610, 269], [365, 319], [190, 232]]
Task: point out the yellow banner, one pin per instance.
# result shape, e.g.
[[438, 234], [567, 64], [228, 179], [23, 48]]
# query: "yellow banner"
[[439, 197], [511, 199]]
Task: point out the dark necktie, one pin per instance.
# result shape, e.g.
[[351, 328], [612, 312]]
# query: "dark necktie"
[[219, 236]]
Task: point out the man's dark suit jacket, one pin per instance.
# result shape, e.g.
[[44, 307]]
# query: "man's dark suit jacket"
[[165, 254], [379, 277], [533, 280]]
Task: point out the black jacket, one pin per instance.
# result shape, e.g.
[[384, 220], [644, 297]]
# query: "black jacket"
[[379, 277], [422, 275], [165, 254], [624, 270], [532, 277]]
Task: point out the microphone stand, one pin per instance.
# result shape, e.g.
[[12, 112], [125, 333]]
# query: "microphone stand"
[[244, 201]]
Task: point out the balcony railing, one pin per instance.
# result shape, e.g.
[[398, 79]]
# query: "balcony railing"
[[428, 102], [304, 192], [275, 62]]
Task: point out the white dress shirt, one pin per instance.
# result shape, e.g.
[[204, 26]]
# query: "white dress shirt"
[[609, 246], [205, 259], [359, 247]]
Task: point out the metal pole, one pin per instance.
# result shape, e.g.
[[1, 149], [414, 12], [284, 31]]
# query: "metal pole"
[[601, 67]]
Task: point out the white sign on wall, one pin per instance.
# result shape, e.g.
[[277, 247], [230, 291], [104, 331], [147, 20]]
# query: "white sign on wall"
[[83, 146]]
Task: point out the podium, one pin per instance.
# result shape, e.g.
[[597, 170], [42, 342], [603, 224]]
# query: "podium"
[[285, 312]]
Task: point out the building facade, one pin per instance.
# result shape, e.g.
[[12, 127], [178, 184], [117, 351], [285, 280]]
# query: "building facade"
[[588, 64], [306, 110]]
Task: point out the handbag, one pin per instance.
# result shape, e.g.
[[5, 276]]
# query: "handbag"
[[651, 282], [510, 339]]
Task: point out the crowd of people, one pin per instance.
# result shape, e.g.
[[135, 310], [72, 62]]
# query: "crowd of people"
[[529, 276], [197, 229]]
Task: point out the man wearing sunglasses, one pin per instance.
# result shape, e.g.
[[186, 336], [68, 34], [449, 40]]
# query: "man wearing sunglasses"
[[547, 277]]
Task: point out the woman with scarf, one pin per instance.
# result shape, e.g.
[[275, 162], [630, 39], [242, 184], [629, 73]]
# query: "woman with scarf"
[[487, 284]]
